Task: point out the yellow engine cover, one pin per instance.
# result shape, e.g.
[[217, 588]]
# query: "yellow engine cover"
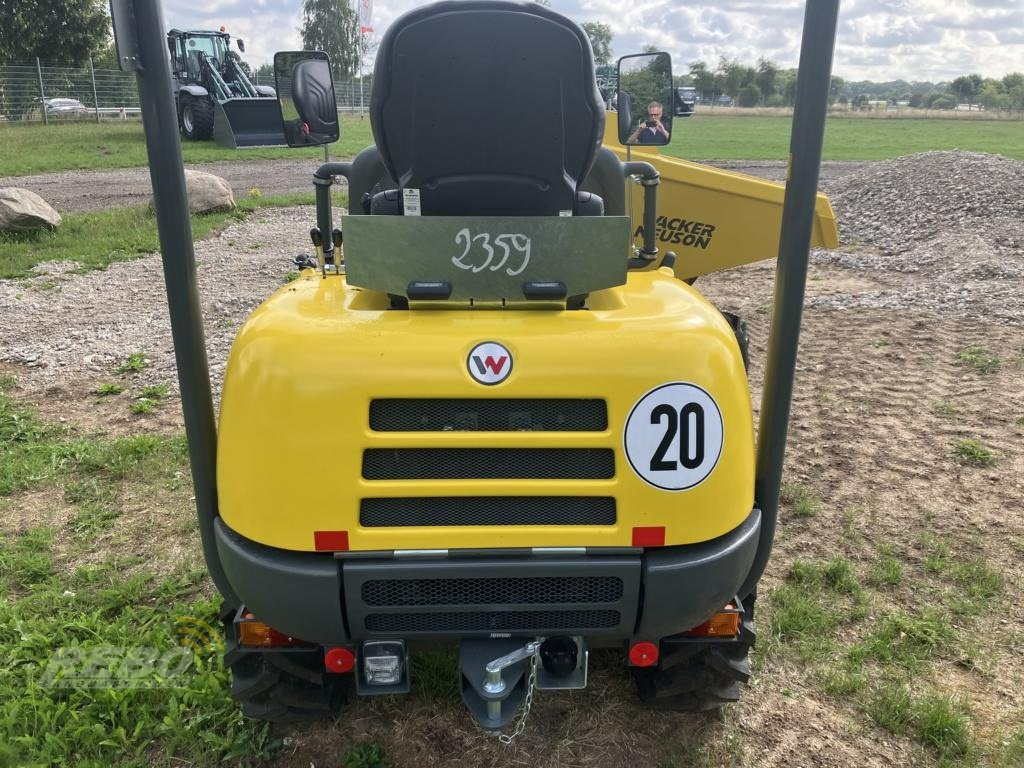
[[294, 420]]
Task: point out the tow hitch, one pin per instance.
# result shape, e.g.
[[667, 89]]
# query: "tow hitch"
[[493, 687]]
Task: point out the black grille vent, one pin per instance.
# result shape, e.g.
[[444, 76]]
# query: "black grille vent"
[[488, 415], [492, 621], [535, 590], [488, 464], [487, 510]]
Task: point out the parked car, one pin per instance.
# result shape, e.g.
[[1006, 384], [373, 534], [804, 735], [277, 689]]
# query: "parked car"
[[65, 108]]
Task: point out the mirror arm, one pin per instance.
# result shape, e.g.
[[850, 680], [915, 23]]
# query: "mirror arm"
[[323, 178], [649, 180]]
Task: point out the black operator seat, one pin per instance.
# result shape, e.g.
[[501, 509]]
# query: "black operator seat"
[[312, 98], [488, 108]]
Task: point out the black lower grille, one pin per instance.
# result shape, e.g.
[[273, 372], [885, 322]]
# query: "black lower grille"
[[488, 415], [492, 621], [487, 510], [536, 590], [488, 464]]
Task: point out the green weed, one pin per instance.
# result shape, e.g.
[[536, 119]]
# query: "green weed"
[[973, 452], [364, 755], [802, 499], [905, 640], [946, 409], [135, 363], [935, 720], [143, 405], [980, 359], [291, 276], [109, 388], [154, 392]]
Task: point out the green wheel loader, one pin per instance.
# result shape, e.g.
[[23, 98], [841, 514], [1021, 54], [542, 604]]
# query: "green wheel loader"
[[213, 95]]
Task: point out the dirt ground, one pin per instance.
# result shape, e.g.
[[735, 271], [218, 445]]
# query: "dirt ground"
[[881, 397], [77, 191]]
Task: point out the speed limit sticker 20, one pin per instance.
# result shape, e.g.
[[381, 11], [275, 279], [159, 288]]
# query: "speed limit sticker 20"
[[674, 436]]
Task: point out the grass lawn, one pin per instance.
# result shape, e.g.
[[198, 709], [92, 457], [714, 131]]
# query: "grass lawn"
[[705, 137], [36, 148], [95, 240], [728, 137]]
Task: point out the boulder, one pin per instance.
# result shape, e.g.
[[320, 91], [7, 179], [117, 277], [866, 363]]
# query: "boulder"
[[207, 193], [22, 210]]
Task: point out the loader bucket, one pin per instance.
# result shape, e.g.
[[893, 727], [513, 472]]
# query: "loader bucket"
[[248, 123]]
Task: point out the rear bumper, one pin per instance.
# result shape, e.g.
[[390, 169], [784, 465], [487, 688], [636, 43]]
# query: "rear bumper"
[[603, 595]]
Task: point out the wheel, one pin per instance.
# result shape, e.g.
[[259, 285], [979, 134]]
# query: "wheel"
[[739, 328], [281, 686], [195, 116], [699, 678]]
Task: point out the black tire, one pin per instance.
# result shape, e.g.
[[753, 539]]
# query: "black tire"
[[739, 328], [281, 686], [195, 116], [699, 678]]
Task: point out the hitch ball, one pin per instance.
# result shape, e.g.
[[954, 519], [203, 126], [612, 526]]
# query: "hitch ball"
[[560, 656]]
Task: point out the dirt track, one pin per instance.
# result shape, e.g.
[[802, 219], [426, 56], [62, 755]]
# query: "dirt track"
[[76, 191]]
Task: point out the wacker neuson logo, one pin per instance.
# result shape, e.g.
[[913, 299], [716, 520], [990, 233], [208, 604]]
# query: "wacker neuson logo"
[[489, 363], [674, 231]]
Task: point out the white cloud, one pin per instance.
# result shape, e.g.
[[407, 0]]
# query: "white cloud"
[[878, 39]]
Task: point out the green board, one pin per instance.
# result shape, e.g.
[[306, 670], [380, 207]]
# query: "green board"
[[490, 258]]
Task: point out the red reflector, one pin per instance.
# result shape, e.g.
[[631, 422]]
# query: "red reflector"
[[339, 660], [330, 541], [649, 537], [643, 654]]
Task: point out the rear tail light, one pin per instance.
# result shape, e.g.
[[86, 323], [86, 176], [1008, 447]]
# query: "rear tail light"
[[643, 654], [253, 632], [725, 623]]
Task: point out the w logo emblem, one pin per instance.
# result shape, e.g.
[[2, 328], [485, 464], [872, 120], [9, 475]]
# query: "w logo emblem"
[[489, 363]]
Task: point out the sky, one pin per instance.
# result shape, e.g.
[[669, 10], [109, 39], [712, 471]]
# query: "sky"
[[923, 40]]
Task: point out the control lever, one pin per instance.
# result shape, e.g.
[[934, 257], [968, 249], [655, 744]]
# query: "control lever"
[[336, 240], [318, 243], [493, 681]]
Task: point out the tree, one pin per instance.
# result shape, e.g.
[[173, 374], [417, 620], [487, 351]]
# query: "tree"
[[966, 87], [703, 78], [332, 26], [836, 90], [767, 74], [52, 29], [600, 35], [750, 95]]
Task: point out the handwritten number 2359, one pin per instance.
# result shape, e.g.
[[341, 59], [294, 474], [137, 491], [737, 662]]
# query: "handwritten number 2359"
[[486, 253]]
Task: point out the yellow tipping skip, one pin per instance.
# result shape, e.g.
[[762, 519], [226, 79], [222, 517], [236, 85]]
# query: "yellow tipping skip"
[[714, 219]]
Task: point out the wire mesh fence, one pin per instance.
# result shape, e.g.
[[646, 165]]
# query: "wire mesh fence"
[[47, 92]]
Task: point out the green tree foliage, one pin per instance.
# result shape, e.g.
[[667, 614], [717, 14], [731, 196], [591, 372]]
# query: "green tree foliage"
[[967, 87], [703, 78], [56, 30], [332, 26], [600, 35], [750, 95], [767, 74]]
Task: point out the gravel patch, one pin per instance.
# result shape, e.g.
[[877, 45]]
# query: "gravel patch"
[[61, 323], [939, 232]]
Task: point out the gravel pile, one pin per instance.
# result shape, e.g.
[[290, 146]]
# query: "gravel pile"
[[894, 204]]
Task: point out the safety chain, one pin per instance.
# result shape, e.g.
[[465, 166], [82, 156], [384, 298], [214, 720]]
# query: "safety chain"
[[531, 685]]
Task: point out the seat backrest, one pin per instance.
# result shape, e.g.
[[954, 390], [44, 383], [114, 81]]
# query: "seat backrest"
[[487, 108], [312, 97]]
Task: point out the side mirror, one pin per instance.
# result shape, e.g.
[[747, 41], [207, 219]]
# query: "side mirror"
[[305, 90], [241, 44], [645, 89]]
